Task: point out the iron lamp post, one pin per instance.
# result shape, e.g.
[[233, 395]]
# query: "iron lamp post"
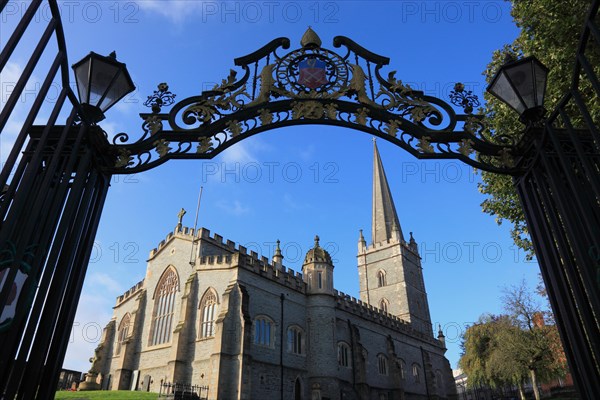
[[522, 85], [101, 82]]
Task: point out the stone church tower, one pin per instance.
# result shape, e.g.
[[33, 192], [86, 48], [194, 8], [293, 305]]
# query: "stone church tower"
[[390, 273]]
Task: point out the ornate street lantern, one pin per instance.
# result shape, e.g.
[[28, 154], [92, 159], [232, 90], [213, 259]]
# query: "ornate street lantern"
[[101, 82], [522, 85]]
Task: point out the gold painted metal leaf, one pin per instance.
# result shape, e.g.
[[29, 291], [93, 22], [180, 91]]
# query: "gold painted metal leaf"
[[361, 116], [162, 147], [392, 128], [425, 145], [265, 116], [234, 127], [123, 158], [204, 145]]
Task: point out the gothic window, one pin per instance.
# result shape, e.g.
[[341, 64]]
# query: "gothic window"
[[343, 355], [208, 307], [164, 305], [381, 278], [384, 305], [439, 381], [382, 363], [295, 337], [263, 331], [123, 332], [402, 365], [416, 371]]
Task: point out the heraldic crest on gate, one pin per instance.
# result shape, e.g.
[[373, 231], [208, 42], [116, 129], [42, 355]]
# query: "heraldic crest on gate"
[[311, 85]]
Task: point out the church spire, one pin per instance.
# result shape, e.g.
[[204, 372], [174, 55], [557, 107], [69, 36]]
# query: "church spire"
[[385, 223]]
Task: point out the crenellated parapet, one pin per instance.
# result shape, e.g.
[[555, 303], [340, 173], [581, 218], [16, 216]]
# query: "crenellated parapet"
[[260, 265], [190, 234], [130, 292], [383, 244], [369, 312]]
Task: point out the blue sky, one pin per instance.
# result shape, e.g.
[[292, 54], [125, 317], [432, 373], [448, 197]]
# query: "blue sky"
[[292, 183]]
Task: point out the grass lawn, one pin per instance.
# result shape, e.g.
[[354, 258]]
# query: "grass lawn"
[[106, 394]]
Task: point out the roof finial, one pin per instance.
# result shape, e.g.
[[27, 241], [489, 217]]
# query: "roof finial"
[[310, 40], [180, 215], [316, 241]]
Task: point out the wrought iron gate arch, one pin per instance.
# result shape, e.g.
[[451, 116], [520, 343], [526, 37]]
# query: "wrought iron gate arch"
[[311, 85], [52, 199]]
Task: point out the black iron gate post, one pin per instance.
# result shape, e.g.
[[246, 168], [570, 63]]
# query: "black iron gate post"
[[563, 215], [47, 237]]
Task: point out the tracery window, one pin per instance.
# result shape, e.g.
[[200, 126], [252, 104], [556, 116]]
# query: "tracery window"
[[263, 331], [123, 332], [381, 278], [164, 306], [416, 370], [295, 340], [402, 365], [384, 305], [343, 355], [382, 364], [208, 307]]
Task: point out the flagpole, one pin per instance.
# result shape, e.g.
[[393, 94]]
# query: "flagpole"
[[194, 240]]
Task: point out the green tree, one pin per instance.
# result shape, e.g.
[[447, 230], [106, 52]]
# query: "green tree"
[[550, 30], [513, 348]]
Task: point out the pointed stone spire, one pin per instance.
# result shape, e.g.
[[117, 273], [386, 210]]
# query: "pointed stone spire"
[[310, 39], [278, 257], [385, 223]]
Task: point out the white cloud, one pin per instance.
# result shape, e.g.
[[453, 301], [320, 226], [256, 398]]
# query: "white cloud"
[[239, 153], [104, 280], [174, 10], [235, 207], [290, 204], [307, 153]]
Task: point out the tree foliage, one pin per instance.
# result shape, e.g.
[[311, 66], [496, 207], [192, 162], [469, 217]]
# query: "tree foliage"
[[550, 30], [513, 348]]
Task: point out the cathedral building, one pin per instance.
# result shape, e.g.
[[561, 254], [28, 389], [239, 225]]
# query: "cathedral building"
[[246, 327]]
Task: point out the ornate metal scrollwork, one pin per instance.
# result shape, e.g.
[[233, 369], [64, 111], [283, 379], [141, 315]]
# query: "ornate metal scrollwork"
[[312, 85]]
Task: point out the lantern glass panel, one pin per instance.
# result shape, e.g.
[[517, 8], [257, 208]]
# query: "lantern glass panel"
[[103, 74], [119, 88], [521, 76], [82, 75], [502, 89], [541, 76]]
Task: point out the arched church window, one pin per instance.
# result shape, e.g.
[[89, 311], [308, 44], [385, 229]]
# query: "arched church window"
[[295, 340], [123, 332], [381, 278], [164, 305], [343, 355], [382, 364], [263, 331], [402, 365], [384, 305], [416, 371], [208, 307], [439, 382]]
